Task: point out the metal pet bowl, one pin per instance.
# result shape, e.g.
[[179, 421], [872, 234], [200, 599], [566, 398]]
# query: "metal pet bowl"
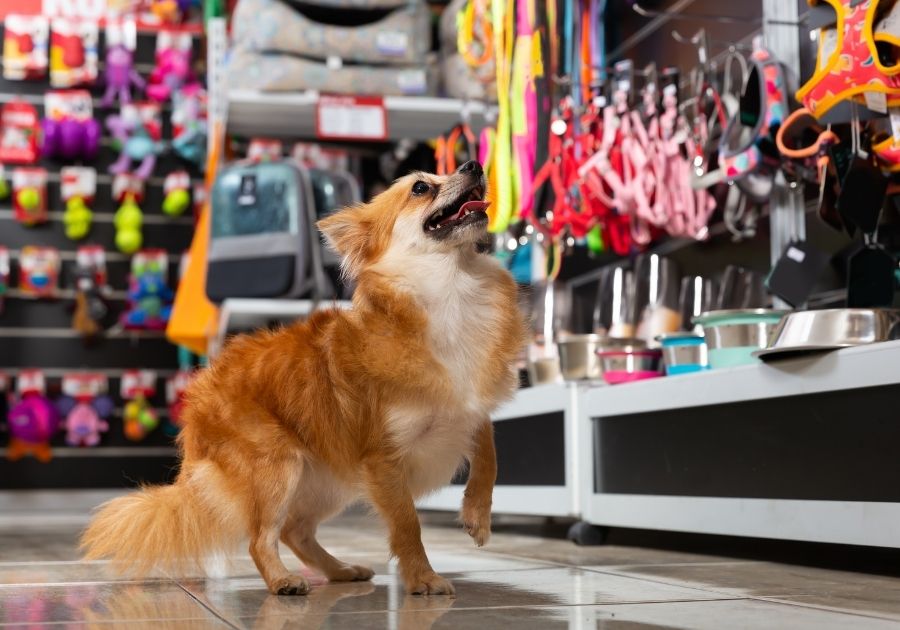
[[803, 332], [578, 360]]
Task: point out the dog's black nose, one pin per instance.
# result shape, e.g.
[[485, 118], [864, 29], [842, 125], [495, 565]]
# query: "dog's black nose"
[[472, 167]]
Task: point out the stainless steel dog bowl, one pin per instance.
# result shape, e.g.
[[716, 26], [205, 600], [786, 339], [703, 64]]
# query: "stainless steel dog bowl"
[[578, 360], [830, 329], [734, 335], [543, 370], [684, 352], [630, 363]]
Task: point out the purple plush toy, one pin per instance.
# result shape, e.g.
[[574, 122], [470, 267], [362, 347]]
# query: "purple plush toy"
[[70, 139], [32, 422], [120, 75]]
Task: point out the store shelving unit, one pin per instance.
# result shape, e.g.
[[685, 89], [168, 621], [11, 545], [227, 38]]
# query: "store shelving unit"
[[293, 114], [802, 449], [539, 460]]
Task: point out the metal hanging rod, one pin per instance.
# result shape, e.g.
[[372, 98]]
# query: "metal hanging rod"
[[707, 17]]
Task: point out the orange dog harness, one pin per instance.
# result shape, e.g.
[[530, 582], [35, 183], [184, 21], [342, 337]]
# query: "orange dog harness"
[[848, 65]]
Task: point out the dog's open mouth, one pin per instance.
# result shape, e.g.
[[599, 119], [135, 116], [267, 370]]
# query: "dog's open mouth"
[[468, 208]]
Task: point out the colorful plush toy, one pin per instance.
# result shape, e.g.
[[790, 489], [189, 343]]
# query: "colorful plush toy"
[[136, 143], [150, 298], [189, 128], [32, 423], [85, 419], [140, 419], [171, 74], [120, 75]]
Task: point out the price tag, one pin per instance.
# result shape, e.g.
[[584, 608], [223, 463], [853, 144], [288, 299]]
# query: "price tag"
[[392, 43], [894, 113], [876, 101], [138, 383], [83, 386], [351, 118]]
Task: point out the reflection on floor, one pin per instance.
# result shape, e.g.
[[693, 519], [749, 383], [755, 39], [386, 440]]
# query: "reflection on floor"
[[520, 581]]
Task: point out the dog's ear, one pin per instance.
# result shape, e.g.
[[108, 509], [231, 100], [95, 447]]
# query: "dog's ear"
[[348, 233]]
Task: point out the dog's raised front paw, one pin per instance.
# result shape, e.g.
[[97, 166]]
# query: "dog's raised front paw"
[[476, 520], [351, 573], [290, 585], [430, 584]]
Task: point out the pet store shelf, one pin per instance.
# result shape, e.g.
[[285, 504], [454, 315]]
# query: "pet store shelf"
[[293, 115], [851, 368], [678, 454]]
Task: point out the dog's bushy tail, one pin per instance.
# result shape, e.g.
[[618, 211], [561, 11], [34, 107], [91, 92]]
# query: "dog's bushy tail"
[[157, 528]]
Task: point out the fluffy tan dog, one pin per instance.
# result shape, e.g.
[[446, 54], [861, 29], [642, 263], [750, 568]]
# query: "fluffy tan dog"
[[382, 402]]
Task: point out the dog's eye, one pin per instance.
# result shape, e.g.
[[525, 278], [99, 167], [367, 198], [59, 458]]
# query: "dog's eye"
[[420, 188]]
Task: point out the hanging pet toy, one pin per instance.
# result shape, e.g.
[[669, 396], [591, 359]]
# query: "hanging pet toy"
[[138, 140], [119, 73], [32, 421], [139, 417], [85, 407]]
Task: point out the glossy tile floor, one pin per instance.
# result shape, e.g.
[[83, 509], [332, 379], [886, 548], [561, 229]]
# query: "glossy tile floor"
[[522, 580]]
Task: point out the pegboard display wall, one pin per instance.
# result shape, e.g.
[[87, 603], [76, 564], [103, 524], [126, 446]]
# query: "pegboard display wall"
[[38, 333]]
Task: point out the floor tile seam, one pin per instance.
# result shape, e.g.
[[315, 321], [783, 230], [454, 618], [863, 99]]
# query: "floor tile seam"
[[85, 583], [522, 607], [515, 556], [831, 609], [19, 563], [619, 567], [663, 582], [81, 622], [210, 608]]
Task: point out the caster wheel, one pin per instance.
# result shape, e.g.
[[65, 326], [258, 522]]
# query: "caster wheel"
[[585, 534]]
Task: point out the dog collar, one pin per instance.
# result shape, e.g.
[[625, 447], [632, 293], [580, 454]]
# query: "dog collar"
[[742, 160]]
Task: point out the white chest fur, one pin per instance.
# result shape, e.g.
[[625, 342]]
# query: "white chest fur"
[[433, 444]]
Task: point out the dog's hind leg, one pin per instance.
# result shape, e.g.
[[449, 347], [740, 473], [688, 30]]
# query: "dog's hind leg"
[[273, 490], [300, 535]]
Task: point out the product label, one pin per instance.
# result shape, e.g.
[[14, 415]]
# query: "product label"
[[78, 181], [84, 385], [412, 81], [138, 383], [31, 381], [797, 255], [351, 117], [876, 101], [393, 43]]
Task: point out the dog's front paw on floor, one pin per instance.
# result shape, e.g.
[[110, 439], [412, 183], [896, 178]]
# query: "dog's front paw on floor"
[[430, 584], [351, 573], [476, 520], [290, 585]]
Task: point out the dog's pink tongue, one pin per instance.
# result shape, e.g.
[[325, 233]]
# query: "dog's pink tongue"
[[466, 208], [474, 206]]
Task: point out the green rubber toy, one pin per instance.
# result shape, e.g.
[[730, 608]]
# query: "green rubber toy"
[[4, 188], [176, 202], [128, 220], [28, 198], [77, 218]]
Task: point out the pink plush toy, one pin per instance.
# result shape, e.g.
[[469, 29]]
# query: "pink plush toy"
[[172, 73], [85, 419], [84, 426]]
